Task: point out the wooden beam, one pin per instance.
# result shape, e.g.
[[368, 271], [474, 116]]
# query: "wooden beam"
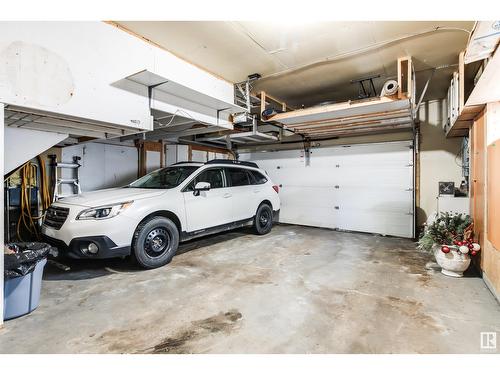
[[461, 81], [337, 107], [152, 146], [400, 80], [405, 81], [142, 148], [265, 97], [359, 131], [262, 102], [353, 119], [283, 105], [357, 125], [217, 150], [162, 153], [410, 78]]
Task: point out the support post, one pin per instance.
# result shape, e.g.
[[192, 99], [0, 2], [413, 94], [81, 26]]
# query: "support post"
[[405, 74], [141, 152], [247, 96], [162, 153]]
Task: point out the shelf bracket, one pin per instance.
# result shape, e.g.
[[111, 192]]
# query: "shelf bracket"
[[150, 92]]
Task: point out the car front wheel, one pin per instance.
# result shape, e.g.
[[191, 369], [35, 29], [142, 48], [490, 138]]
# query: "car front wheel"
[[263, 221], [155, 242]]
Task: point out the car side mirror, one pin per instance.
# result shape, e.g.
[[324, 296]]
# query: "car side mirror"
[[201, 186]]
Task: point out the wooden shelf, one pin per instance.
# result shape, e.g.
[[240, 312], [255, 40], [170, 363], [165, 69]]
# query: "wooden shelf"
[[369, 115], [462, 124], [486, 90]]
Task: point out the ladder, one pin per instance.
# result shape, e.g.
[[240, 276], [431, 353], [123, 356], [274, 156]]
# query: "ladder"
[[58, 180]]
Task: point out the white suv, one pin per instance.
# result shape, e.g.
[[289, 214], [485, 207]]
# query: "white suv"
[[149, 217]]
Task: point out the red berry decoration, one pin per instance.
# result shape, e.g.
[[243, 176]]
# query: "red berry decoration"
[[445, 249], [470, 246], [473, 252]]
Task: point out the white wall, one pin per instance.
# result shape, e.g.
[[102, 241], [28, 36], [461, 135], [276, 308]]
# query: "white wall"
[[22, 145], [438, 157], [79, 69], [103, 165]]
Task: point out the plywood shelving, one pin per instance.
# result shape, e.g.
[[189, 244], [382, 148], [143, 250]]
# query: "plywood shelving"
[[377, 114]]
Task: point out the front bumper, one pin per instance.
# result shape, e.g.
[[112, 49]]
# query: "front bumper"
[[107, 248], [112, 236]]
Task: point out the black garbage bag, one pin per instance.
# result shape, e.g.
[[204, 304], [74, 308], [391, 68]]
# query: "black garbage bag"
[[20, 258]]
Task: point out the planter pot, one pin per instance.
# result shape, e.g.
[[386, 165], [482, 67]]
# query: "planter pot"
[[453, 263]]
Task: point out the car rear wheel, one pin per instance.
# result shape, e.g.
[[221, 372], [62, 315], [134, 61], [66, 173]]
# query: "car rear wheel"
[[263, 221], [155, 242]]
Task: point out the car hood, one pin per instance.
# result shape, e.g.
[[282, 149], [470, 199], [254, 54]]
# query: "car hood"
[[110, 196]]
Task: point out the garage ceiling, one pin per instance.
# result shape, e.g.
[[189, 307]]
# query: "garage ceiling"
[[309, 63]]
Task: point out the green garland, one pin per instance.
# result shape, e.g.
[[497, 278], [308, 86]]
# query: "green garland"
[[445, 229]]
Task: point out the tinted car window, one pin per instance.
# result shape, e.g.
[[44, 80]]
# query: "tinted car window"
[[258, 178], [213, 176], [165, 178], [238, 177]]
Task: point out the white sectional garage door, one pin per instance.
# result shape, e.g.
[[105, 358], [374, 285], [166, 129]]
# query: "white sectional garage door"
[[366, 188]]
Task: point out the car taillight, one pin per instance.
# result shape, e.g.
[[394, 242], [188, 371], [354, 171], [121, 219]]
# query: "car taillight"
[[276, 188]]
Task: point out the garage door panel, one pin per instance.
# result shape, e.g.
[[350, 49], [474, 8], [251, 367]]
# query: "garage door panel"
[[367, 188], [387, 200], [303, 176], [382, 154], [307, 196], [306, 176], [375, 177], [387, 223], [306, 206]]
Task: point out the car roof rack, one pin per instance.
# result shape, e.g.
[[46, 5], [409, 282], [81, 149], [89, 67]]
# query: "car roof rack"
[[233, 162], [187, 162]]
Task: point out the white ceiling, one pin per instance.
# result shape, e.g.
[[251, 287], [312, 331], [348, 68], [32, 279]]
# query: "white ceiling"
[[312, 62]]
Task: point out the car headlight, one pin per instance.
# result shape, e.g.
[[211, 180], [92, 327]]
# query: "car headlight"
[[103, 212]]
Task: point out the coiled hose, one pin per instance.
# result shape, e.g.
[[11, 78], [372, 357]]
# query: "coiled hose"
[[28, 178]]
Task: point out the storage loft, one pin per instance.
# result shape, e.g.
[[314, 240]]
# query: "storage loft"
[[352, 117], [371, 115], [475, 77]]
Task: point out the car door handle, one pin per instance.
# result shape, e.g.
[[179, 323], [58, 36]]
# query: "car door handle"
[[256, 191], [227, 195]]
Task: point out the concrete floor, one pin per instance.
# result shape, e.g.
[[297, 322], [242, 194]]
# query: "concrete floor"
[[295, 290]]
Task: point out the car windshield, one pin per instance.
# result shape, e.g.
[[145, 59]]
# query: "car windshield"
[[165, 178]]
